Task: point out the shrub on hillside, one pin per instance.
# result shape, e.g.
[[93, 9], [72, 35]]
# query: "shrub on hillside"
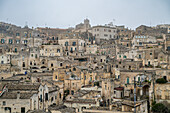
[[161, 81]]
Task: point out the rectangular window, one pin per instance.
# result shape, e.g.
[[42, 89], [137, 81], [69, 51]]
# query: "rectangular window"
[[40, 98], [46, 96], [10, 41], [58, 50], [138, 78], [2, 41], [17, 34], [25, 41], [35, 55], [3, 103], [66, 43], [25, 34], [105, 35], [17, 41], [22, 109], [74, 44], [15, 49]]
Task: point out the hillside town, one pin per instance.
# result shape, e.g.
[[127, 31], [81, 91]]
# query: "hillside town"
[[85, 69]]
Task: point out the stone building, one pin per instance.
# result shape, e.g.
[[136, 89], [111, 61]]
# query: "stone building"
[[108, 86], [162, 92], [72, 85], [72, 46], [146, 30], [104, 32], [139, 40], [51, 50], [166, 39], [164, 59], [83, 27], [83, 99], [24, 97]]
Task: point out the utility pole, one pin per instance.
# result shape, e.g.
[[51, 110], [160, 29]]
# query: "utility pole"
[[153, 80], [134, 95]]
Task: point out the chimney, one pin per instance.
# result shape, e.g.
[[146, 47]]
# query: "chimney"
[[18, 95]]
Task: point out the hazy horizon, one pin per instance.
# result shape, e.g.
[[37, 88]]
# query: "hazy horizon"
[[68, 13]]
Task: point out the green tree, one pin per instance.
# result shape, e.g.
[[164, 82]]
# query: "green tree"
[[161, 80], [159, 108]]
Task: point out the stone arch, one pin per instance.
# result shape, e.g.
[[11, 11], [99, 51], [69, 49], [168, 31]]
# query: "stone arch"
[[146, 89]]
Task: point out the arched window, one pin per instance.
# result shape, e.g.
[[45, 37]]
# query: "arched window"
[[52, 99], [72, 92], [71, 49], [61, 64], [74, 69], [23, 64], [15, 49]]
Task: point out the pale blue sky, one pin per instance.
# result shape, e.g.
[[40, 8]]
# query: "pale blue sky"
[[65, 13]]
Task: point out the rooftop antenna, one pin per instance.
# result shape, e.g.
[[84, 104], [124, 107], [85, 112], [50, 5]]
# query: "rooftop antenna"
[[26, 23], [7, 20], [150, 23], [134, 94], [114, 22]]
